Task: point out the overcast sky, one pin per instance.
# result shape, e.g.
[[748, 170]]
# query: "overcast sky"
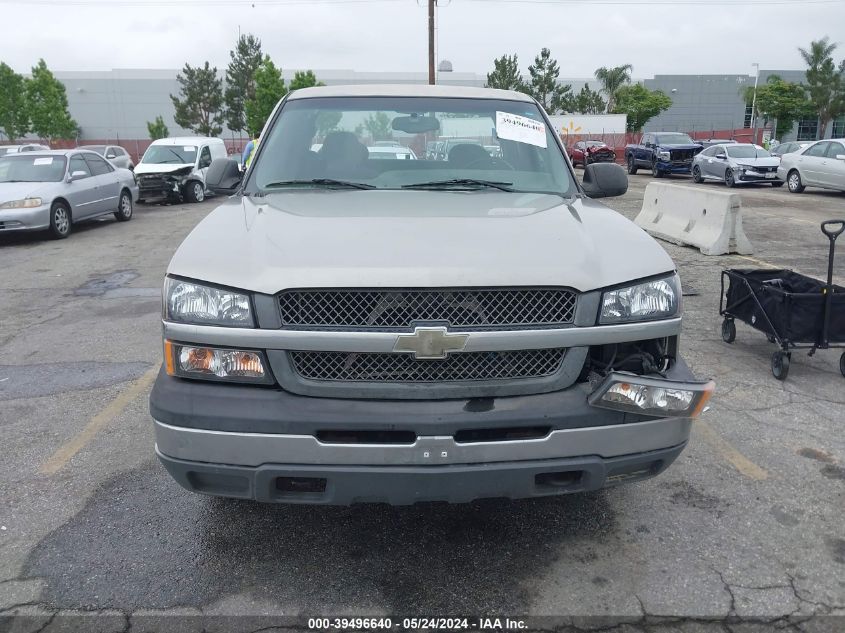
[[390, 35]]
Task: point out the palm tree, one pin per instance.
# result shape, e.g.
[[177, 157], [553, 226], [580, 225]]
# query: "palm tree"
[[825, 83], [612, 79]]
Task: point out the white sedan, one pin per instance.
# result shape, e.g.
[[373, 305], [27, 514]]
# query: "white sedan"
[[821, 164]]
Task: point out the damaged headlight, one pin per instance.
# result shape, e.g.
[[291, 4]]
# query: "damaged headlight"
[[656, 299], [664, 155], [190, 302], [652, 396]]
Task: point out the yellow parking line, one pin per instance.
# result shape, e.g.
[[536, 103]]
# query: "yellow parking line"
[[759, 262], [114, 408], [729, 453]]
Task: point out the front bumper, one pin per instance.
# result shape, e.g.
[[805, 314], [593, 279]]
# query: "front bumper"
[[404, 485], [25, 219], [674, 167], [755, 176], [271, 445]]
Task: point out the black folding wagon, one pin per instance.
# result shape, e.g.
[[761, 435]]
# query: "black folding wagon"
[[793, 310]]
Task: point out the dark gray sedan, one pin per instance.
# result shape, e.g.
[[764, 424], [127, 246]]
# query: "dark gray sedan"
[[736, 164], [51, 190]]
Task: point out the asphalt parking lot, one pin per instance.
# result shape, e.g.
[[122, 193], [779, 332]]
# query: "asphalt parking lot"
[[748, 522]]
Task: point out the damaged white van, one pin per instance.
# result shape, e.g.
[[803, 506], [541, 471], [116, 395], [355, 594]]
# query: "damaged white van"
[[173, 169], [344, 330]]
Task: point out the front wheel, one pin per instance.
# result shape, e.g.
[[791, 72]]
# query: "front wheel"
[[780, 365], [728, 330], [729, 178], [655, 170], [60, 220], [124, 208], [195, 191], [632, 165], [696, 174], [794, 182]]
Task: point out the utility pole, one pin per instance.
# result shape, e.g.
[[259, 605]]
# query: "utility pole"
[[754, 104], [431, 42]]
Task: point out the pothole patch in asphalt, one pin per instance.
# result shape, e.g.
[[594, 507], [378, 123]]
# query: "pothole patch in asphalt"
[[142, 542], [34, 381], [101, 285]]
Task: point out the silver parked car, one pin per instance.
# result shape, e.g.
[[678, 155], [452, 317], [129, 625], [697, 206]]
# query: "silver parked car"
[[821, 164], [115, 154], [51, 190], [347, 329], [736, 164], [27, 147], [788, 148]]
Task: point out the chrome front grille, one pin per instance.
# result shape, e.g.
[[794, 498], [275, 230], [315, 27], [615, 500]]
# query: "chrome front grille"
[[468, 308], [404, 368]]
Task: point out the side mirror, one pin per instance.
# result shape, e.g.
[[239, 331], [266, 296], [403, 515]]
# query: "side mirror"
[[840, 157], [111, 155], [721, 156], [223, 176], [77, 175], [604, 180]]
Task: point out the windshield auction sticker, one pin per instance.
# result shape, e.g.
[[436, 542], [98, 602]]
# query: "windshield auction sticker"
[[513, 127]]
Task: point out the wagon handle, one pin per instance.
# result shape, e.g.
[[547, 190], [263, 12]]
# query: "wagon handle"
[[832, 235], [828, 300]]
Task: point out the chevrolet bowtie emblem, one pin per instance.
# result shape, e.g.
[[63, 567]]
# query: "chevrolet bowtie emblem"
[[430, 343]]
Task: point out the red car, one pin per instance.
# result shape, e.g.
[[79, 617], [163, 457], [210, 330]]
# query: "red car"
[[586, 152]]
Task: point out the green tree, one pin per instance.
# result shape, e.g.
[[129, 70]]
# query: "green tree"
[[304, 79], [269, 88], [589, 101], [327, 122], [198, 107], [544, 87], [157, 128], [612, 79], [46, 102], [378, 125], [240, 80], [640, 104], [14, 119], [506, 75], [825, 83], [781, 100]]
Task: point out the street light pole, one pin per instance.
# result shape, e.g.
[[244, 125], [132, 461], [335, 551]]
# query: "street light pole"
[[431, 42], [754, 104]]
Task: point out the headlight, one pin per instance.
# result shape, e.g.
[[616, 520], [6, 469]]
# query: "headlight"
[[664, 155], [188, 302], [652, 396], [657, 299], [26, 203], [211, 363]]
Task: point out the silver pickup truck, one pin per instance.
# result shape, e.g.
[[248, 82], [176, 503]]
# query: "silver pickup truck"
[[350, 329]]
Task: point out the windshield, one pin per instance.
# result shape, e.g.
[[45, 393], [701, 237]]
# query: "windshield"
[[174, 154], [595, 144], [746, 151], [8, 150], [674, 139], [23, 168], [482, 144]]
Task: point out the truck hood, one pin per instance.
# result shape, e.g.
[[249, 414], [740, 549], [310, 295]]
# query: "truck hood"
[[390, 239], [163, 168], [20, 190]]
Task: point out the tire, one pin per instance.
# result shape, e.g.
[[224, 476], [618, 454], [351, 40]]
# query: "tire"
[[124, 207], [696, 175], [793, 180], [728, 331], [780, 183], [729, 178], [780, 364], [195, 191], [61, 220], [632, 165], [842, 364], [655, 172]]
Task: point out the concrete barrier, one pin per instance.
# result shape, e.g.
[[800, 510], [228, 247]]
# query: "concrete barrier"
[[695, 216]]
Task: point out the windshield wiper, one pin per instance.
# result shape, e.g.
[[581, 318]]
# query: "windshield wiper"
[[323, 182], [460, 182]]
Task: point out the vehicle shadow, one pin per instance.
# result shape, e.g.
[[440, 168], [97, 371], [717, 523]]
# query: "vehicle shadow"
[[143, 542]]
